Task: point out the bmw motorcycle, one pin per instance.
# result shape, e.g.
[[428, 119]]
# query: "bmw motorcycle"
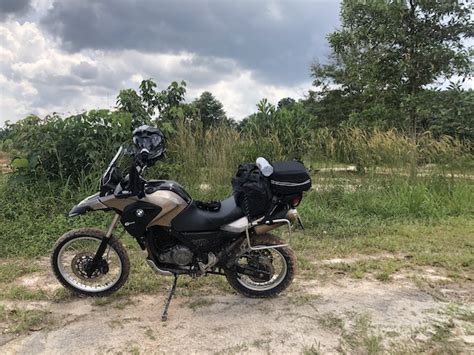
[[182, 236]]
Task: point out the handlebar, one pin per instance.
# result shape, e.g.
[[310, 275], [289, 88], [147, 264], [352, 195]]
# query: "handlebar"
[[136, 184], [132, 185]]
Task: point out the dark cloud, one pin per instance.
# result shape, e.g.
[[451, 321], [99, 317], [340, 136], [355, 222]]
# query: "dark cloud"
[[196, 70], [278, 40], [85, 71], [13, 7]]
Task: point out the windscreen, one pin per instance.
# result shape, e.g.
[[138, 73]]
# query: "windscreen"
[[112, 163]]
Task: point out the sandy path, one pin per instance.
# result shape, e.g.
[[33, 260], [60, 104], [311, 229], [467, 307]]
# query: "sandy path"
[[309, 315]]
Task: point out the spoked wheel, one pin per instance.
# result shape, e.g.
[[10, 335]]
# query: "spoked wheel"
[[277, 266], [73, 254]]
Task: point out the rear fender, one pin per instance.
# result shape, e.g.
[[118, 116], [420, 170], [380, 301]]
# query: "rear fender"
[[91, 203]]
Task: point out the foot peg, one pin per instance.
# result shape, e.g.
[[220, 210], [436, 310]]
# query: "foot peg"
[[211, 261]]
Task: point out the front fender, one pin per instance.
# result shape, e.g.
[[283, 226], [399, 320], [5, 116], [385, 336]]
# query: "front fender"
[[90, 203]]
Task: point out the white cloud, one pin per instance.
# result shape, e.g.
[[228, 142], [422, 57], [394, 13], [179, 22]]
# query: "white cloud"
[[37, 76], [240, 94]]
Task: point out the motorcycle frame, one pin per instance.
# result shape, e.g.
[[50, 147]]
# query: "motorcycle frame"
[[273, 222]]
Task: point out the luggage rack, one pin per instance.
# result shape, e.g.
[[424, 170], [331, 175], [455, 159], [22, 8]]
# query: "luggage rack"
[[259, 222]]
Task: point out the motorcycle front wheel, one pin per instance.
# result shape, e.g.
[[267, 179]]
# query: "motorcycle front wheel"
[[74, 251], [279, 263]]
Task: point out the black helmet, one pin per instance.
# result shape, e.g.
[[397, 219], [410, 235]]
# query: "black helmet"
[[150, 143]]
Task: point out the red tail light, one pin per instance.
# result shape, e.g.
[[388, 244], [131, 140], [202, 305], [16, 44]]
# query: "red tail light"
[[295, 201]]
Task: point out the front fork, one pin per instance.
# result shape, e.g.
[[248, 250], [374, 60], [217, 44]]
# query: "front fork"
[[96, 261]]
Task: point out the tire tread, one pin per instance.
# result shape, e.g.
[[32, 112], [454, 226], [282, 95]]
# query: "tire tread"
[[99, 234], [288, 254]]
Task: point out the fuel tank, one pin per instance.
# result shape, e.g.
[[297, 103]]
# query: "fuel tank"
[[168, 196]]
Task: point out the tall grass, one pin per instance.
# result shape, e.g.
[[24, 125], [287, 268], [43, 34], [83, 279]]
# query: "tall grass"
[[32, 216], [32, 212], [212, 156], [391, 149]]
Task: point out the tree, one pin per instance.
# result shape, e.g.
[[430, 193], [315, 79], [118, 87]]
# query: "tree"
[[387, 53], [448, 112], [287, 102], [129, 101], [290, 124], [168, 103], [209, 110]]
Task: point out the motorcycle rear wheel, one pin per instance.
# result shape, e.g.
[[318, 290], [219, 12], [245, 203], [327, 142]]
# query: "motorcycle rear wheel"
[[75, 249], [280, 262]]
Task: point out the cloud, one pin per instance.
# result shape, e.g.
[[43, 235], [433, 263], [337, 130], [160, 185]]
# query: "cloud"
[[85, 71], [67, 56], [241, 93], [37, 76], [10, 8], [277, 40]]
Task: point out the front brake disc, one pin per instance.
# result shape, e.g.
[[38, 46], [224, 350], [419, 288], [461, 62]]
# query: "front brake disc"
[[79, 266]]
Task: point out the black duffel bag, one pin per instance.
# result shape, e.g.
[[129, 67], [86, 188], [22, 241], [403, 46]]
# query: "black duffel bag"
[[289, 177], [251, 190]]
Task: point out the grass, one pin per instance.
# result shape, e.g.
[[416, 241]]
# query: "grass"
[[20, 320], [149, 333], [376, 206], [441, 338], [331, 322], [314, 349], [23, 293], [15, 268], [310, 249], [197, 303], [423, 223], [301, 298], [142, 280], [361, 338], [445, 243], [380, 225]]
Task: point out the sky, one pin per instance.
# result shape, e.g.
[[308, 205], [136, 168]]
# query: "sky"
[[69, 56]]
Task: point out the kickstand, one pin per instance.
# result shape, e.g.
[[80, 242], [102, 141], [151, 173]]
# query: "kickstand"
[[164, 316], [300, 222]]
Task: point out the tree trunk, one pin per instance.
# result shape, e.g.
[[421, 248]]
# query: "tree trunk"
[[413, 89]]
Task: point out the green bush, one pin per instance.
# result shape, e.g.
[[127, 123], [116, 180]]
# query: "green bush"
[[66, 148]]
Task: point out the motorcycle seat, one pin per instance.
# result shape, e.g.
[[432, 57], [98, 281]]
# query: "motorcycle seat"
[[194, 219]]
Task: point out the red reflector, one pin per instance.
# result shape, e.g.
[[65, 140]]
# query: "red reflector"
[[296, 200]]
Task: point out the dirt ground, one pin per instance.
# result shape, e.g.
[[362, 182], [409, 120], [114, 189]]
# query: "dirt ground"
[[333, 316], [4, 163]]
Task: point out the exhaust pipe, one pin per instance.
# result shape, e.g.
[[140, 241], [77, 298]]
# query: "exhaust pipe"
[[152, 264]]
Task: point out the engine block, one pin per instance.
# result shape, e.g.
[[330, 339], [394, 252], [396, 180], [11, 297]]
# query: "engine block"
[[179, 255]]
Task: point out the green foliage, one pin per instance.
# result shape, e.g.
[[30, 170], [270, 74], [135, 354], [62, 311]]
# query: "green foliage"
[[19, 163], [385, 199], [391, 149], [448, 112], [168, 103], [386, 54], [23, 320], [69, 147], [290, 125], [58, 161], [33, 213], [209, 110], [4, 133], [129, 101]]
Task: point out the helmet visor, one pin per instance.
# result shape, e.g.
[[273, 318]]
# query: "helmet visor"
[[150, 142]]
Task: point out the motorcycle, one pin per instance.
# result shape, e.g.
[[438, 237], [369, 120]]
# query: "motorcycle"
[[182, 236]]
